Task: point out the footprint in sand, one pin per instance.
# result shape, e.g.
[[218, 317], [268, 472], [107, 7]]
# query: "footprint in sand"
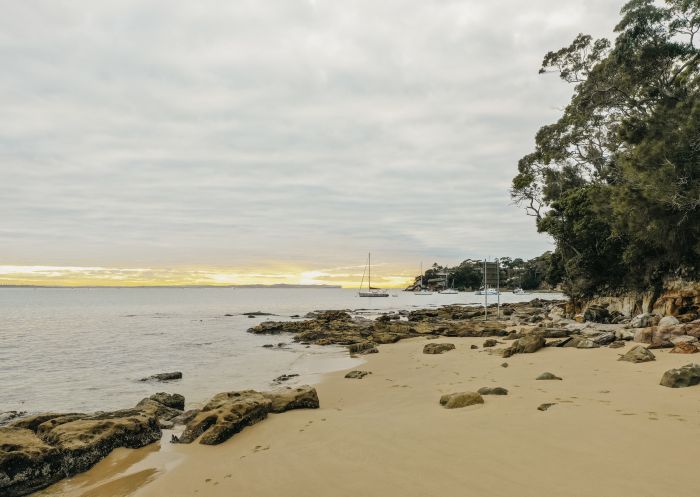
[[207, 480], [228, 475]]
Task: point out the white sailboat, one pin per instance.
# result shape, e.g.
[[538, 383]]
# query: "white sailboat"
[[448, 290], [370, 292], [422, 290]]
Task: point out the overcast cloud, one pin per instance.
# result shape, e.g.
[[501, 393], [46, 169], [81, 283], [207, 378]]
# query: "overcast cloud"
[[289, 133]]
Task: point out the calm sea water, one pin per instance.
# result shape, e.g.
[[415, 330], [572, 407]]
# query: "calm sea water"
[[84, 349]]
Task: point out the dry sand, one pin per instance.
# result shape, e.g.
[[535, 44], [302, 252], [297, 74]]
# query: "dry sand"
[[614, 432]]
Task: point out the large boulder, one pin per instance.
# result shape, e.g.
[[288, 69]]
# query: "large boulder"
[[437, 348], [685, 376], [171, 400], [597, 314], [525, 345], [685, 348], [644, 320], [658, 336], [668, 321], [460, 399], [38, 451], [638, 354], [228, 413]]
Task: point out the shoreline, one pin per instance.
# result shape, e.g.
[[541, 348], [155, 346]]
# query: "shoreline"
[[387, 435]]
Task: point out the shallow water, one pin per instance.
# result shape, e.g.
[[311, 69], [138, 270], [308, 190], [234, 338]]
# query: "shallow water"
[[83, 349]]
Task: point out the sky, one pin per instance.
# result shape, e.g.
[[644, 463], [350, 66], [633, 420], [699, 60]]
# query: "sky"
[[279, 141]]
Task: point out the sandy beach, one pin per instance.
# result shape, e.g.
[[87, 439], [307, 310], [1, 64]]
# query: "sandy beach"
[[613, 431]]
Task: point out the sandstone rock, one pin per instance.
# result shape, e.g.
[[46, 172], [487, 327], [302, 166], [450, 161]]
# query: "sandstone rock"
[[38, 451], [585, 343], [460, 399], [643, 320], [525, 345], [228, 413], [684, 339], [175, 375], [604, 338], [624, 335], [161, 411], [638, 354], [668, 321], [437, 348], [547, 376], [490, 343], [685, 376], [685, 348], [7, 416], [362, 347], [358, 375], [172, 400], [492, 391]]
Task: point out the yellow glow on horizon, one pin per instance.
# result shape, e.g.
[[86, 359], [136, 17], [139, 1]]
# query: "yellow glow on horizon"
[[347, 277]]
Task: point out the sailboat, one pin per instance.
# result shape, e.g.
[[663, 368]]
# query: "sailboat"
[[422, 290], [448, 290], [371, 292]]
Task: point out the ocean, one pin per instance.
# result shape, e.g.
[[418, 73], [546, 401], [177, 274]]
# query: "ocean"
[[85, 349]]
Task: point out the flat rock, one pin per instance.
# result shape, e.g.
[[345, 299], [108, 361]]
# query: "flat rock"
[[460, 399], [638, 354], [492, 391], [525, 345], [437, 348], [228, 413], [357, 375], [175, 375], [548, 376], [685, 376]]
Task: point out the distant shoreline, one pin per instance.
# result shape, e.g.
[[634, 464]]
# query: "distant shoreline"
[[281, 286]]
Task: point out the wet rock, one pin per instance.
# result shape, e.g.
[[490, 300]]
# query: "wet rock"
[[525, 345], [40, 450], [358, 348], [489, 343], [492, 391], [175, 375], [228, 413], [185, 417], [7, 416], [171, 400], [685, 376], [544, 407], [285, 377], [357, 375], [437, 348], [460, 399], [685, 348], [638, 354], [548, 376]]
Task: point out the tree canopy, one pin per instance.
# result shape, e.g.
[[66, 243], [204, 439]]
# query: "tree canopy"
[[616, 180]]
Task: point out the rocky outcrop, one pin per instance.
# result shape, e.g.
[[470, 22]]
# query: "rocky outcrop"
[[228, 413], [460, 399], [39, 450], [437, 348], [525, 345], [171, 400], [638, 354], [685, 348], [662, 336], [685, 376], [175, 375]]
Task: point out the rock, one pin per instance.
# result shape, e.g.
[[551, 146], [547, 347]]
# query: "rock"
[[285, 377], [585, 343], [544, 407], [228, 413], [437, 348], [685, 348], [357, 375], [685, 376], [40, 450], [597, 314], [185, 417], [460, 399], [490, 343], [176, 375], [492, 391], [474, 347], [7, 416], [683, 339], [547, 376], [604, 338], [668, 321], [579, 318], [616, 345], [525, 345], [643, 320], [268, 346], [638, 354], [362, 347], [172, 400], [624, 335], [504, 364]]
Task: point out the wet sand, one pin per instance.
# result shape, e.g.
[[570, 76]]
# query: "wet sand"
[[613, 431]]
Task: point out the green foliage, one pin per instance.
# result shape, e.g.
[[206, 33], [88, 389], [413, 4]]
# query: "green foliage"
[[616, 180]]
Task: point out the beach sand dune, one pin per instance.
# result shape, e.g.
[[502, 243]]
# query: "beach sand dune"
[[612, 431]]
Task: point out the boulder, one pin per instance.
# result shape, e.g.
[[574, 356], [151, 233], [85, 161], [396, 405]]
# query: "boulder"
[[460, 399], [685, 348], [638, 354], [490, 343], [644, 320], [525, 345], [617, 344], [171, 400], [474, 347], [668, 321], [605, 338], [437, 348], [548, 376], [38, 451], [7, 416], [492, 391], [685, 376], [597, 314], [585, 343], [357, 375], [175, 375], [228, 413]]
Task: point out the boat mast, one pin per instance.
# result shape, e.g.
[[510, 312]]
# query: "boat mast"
[[369, 265]]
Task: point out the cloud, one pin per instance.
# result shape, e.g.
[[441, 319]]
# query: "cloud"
[[158, 133]]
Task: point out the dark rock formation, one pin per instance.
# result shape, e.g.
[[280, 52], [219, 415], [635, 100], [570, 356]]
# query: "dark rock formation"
[[492, 391], [175, 375], [437, 348], [357, 375], [685, 376]]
